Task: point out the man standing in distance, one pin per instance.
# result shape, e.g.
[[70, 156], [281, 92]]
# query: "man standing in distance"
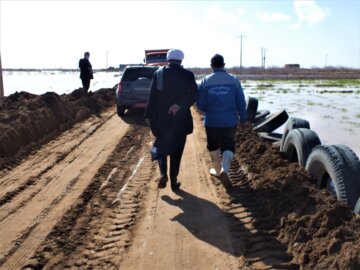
[[221, 98], [173, 91], [86, 72]]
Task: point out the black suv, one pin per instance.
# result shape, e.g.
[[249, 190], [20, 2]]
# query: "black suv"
[[134, 87]]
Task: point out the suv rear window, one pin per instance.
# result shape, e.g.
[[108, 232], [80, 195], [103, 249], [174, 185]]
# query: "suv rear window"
[[133, 74]]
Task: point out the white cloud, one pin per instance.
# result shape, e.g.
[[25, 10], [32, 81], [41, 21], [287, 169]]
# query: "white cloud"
[[296, 26], [274, 16], [241, 12], [309, 12], [215, 14]]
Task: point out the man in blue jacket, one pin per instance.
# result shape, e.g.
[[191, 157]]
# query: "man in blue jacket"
[[173, 91], [222, 100]]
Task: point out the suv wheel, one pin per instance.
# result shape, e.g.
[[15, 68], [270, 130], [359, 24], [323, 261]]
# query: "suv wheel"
[[121, 110]]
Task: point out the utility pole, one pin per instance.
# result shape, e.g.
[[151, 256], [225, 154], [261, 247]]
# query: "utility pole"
[[107, 56], [241, 38], [326, 56], [1, 81], [263, 57]]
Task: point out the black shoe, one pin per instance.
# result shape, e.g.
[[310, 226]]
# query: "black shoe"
[[175, 184], [162, 181]]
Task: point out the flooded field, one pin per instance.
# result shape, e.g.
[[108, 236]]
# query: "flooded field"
[[60, 82], [331, 106]]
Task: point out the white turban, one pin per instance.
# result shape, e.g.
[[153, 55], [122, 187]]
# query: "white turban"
[[175, 54]]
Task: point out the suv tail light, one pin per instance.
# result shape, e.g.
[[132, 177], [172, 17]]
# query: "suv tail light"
[[119, 89]]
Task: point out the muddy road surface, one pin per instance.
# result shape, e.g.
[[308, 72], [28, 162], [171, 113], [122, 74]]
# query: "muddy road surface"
[[88, 199]]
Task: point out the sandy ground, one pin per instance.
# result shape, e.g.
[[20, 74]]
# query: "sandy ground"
[[88, 199], [186, 230]]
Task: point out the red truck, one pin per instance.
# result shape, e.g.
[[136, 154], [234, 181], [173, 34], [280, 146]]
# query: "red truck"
[[156, 57]]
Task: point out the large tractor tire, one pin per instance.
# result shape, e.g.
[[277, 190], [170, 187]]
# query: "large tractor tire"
[[299, 143], [337, 169], [270, 137], [261, 116], [272, 122], [251, 108], [357, 207], [291, 124]]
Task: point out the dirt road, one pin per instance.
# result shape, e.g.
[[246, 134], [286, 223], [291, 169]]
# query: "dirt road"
[[89, 200]]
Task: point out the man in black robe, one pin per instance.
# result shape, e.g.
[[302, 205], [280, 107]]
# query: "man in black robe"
[[173, 91]]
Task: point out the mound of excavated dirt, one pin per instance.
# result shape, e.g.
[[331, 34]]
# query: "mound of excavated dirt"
[[27, 120], [320, 232]]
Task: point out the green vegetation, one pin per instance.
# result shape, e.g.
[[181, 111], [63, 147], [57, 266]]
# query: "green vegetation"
[[358, 115], [349, 130], [310, 103]]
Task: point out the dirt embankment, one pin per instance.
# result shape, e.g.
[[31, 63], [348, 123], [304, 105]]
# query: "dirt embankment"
[[28, 120], [319, 231]]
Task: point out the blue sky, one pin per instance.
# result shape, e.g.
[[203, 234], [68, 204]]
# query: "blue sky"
[[53, 34]]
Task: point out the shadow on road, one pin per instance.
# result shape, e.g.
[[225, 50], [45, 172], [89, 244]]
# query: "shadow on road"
[[209, 223], [204, 219]]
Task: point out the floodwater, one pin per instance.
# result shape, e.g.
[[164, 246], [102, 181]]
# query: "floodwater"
[[331, 106], [60, 82]]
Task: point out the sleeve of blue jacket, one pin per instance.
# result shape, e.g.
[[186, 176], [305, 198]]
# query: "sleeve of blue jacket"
[[240, 103], [202, 97]]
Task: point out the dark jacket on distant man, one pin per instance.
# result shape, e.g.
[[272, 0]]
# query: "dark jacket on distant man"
[[86, 72]]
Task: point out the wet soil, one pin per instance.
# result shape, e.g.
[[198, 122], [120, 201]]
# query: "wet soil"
[[27, 120], [88, 199], [317, 230]]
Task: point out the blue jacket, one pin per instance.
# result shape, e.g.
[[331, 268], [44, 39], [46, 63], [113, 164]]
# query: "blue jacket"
[[222, 99]]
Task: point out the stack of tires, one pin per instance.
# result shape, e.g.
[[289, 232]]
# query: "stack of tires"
[[335, 168]]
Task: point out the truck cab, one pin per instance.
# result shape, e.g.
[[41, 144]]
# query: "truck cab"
[[156, 57]]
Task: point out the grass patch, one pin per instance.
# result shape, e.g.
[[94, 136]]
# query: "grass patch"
[[358, 116], [350, 130], [336, 92], [310, 103], [264, 86]]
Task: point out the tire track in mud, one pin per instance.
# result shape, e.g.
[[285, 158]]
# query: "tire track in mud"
[[254, 234], [36, 218], [97, 229], [36, 182]]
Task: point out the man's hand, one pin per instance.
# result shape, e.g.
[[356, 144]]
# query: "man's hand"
[[147, 120], [174, 109]]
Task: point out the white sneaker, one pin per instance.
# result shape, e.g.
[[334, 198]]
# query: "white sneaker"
[[216, 161]]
